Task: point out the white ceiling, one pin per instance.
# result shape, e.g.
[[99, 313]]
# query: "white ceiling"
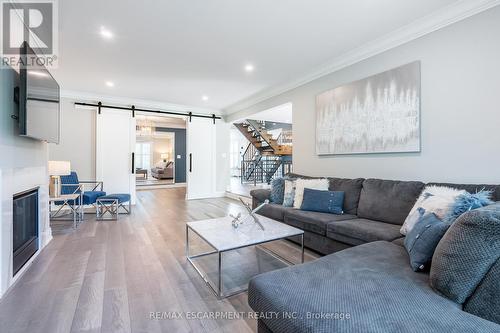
[[176, 51], [279, 114]]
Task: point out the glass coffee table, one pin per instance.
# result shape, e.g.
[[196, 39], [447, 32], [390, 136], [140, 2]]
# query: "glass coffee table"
[[221, 237]]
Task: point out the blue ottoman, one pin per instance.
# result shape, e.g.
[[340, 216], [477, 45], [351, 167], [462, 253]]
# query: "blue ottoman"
[[108, 206]]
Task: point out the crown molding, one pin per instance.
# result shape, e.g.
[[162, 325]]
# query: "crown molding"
[[82, 96], [440, 19]]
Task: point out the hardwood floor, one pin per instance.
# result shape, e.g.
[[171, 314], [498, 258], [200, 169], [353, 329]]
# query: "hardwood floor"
[[108, 276]]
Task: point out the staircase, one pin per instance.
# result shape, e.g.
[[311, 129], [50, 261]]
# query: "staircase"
[[257, 135], [265, 156]]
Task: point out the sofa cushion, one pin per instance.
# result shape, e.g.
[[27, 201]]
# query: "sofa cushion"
[[273, 211], [473, 188], [90, 197], [466, 253], [351, 188], [359, 231], [313, 221], [399, 241], [485, 301], [388, 200], [378, 294]]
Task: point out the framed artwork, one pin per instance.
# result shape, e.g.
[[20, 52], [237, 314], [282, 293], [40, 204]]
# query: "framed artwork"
[[378, 114]]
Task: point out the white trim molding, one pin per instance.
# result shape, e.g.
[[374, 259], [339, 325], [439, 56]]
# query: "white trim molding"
[[81, 96], [442, 18]]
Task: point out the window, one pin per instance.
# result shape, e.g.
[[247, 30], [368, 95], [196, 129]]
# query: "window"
[[143, 155]]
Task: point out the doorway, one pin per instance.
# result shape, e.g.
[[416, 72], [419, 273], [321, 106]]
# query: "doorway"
[[160, 152]]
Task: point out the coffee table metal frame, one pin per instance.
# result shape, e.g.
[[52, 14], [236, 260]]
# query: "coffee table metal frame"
[[218, 289]]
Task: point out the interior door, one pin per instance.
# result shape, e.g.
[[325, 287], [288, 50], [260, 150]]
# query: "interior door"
[[115, 145], [200, 158]]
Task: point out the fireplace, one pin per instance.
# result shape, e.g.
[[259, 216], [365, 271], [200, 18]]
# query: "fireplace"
[[25, 228]]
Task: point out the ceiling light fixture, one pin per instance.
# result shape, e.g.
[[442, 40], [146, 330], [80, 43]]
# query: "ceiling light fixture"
[[110, 84], [249, 68], [204, 97], [105, 33]]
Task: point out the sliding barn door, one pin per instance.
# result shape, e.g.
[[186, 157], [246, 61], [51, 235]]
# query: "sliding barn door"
[[200, 158], [115, 144]]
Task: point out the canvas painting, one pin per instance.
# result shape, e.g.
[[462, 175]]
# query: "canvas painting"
[[379, 114]]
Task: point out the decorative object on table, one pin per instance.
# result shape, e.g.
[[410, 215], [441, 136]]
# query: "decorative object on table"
[[323, 201], [251, 213], [164, 157], [301, 184], [466, 202], [422, 240], [289, 193], [378, 114], [56, 169], [434, 199]]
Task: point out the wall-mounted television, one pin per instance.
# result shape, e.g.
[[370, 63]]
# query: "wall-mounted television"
[[39, 99]]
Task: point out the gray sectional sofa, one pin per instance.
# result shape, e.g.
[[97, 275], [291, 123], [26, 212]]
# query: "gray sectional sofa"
[[374, 210], [367, 275]]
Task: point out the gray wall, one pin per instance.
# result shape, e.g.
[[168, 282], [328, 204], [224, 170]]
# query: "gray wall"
[[77, 139], [460, 109], [16, 151], [180, 149]]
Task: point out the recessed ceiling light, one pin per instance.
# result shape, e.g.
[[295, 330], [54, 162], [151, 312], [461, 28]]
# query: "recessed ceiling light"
[[110, 84], [249, 68], [204, 97], [105, 33]]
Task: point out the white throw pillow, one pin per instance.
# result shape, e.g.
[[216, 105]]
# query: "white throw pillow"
[[316, 184], [434, 199], [289, 193]]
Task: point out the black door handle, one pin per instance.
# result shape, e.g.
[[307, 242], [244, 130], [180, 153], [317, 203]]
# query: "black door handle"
[[133, 163], [190, 162]]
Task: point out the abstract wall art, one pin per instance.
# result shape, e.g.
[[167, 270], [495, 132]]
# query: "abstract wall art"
[[378, 114]]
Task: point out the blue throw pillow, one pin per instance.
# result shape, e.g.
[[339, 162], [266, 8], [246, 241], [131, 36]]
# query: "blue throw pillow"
[[422, 240], [277, 190], [323, 201], [466, 202]]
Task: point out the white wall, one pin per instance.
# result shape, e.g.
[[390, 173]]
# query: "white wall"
[[77, 139], [460, 109], [23, 166]]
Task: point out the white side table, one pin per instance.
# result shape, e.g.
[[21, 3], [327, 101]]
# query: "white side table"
[[73, 201]]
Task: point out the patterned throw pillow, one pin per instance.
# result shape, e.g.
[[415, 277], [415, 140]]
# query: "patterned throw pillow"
[[277, 190], [434, 199], [316, 184], [422, 240], [289, 194]]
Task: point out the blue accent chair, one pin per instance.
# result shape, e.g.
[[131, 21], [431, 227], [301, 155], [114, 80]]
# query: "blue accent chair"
[[71, 184]]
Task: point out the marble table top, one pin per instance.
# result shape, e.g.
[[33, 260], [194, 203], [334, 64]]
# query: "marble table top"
[[221, 235]]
